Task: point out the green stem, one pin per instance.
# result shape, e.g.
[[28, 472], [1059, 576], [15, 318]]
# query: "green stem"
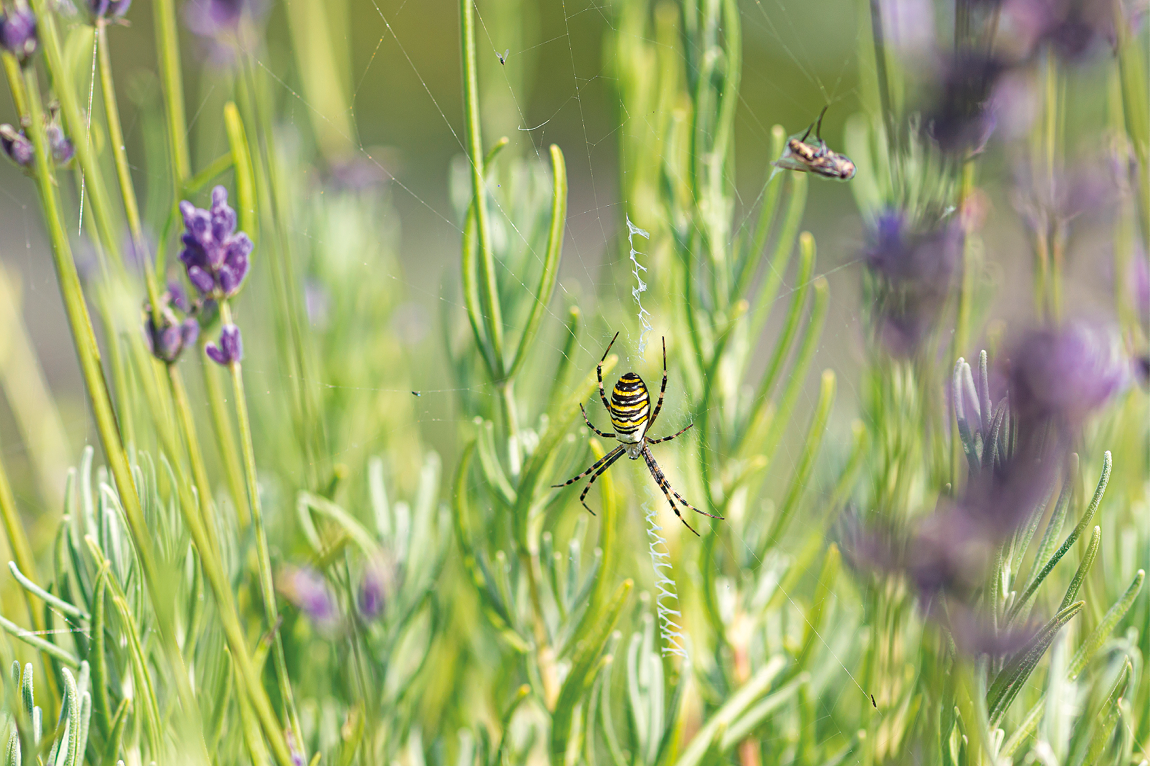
[[89, 356], [76, 126], [195, 455], [225, 437], [267, 586], [168, 45], [123, 170], [493, 313]]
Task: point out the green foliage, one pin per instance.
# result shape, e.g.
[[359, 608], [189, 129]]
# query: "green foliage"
[[311, 582]]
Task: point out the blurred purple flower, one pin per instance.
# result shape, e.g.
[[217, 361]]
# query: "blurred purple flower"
[[316, 302], [219, 24], [307, 589], [215, 254], [1073, 28], [18, 33], [912, 269], [109, 9], [16, 146], [230, 348], [961, 119], [62, 149], [167, 340], [1048, 203], [1062, 375], [375, 587]]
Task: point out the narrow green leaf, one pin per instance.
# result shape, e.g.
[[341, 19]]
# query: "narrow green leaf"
[[1012, 678], [1027, 594], [1083, 568], [97, 657], [492, 608], [245, 173], [755, 716], [112, 746], [800, 478], [59, 603], [1102, 631], [550, 273], [489, 461], [36, 642], [1102, 726], [581, 675], [735, 707]]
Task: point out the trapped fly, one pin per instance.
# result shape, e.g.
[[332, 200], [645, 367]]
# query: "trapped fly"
[[503, 58], [815, 158]]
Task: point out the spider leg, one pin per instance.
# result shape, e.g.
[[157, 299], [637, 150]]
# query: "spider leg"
[[819, 124], [592, 426], [672, 436], [611, 457], [599, 373], [598, 463], [662, 389], [661, 480], [810, 127]]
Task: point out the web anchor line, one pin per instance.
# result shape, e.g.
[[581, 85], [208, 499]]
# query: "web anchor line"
[[641, 287], [669, 630]]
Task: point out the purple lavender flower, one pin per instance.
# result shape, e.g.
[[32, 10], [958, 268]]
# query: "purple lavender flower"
[[109, 9], [215, 254], [1062, 375], [1073, 28], [16, 146], [18, 33], [375, 588], [219, 24], [911, 270], [172, 335], [61, 148], [167, 341], [307, 589], [961, 119], [230, 348]]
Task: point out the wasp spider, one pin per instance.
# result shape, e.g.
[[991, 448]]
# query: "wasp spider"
[[629, 408]]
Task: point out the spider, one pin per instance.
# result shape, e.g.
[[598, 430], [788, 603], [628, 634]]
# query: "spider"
[[629, 408]]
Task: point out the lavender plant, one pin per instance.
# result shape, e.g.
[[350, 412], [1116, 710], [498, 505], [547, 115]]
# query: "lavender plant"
[[268, 560]]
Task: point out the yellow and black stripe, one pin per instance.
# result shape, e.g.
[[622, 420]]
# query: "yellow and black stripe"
[[630, 407]]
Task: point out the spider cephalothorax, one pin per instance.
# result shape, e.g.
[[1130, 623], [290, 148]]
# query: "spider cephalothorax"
[[631, 415]]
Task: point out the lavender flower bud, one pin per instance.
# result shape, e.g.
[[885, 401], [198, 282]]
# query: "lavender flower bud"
[[16, 146], [230, 348], [169, 339], [375, 588], [307, 589], [18, 33], [58, 143]]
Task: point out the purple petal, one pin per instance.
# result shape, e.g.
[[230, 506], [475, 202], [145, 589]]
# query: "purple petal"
[[232, 343], [215, 354], [189, 331], [201, 279], [198, 224], [223, 217], [178, 296]]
